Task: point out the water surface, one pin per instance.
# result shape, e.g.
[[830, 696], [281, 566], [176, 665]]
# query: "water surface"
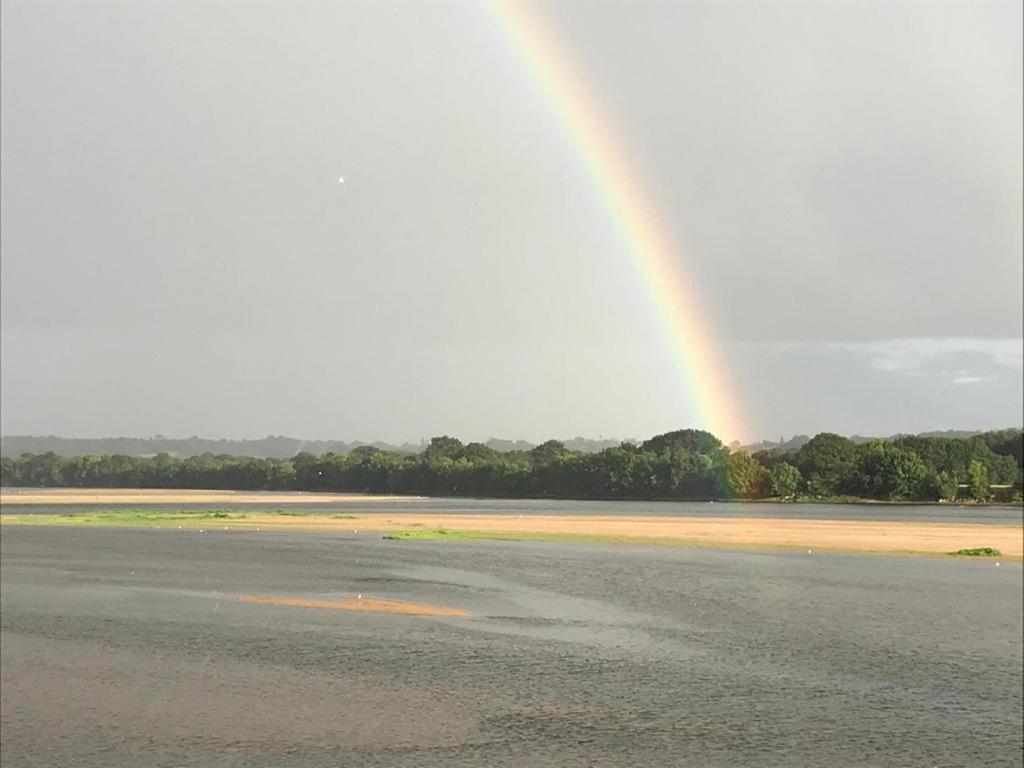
[[120, 647]]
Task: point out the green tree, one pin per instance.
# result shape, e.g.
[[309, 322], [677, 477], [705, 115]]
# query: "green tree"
[[744, 477], [365, 450], [1007, 442], [945, 486], [694, 440], [886, 471], [769, 458], [828, 461], [954, 455], [281, 476], [977, 479], [10, 471], [547, 452], [444, 447], [479, 453], [786, 480]]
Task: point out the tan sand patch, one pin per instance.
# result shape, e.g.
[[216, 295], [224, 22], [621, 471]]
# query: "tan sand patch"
[[365, 604], [847, 535]]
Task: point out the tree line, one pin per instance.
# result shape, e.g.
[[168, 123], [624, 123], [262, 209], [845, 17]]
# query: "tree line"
[[685, 464]]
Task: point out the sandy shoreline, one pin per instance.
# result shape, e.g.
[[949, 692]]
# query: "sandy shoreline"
[[836, 535], [853, 535], [839, 535]]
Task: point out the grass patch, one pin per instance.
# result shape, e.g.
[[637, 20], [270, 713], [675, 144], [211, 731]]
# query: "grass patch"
[[978, 552], [131, 517], [158, 515]]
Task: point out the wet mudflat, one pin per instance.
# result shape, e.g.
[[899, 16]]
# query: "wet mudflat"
[[125, 647]]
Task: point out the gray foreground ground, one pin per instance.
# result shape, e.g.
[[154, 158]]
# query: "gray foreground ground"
[[123, 648]]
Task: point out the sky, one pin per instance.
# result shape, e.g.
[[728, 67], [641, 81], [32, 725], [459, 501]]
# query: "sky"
[[842, 182]]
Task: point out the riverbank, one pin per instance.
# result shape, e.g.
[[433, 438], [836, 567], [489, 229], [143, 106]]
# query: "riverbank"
[[146, 496]]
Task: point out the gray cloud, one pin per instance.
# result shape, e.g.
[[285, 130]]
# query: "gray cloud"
[[881, 388], [932, 356], [178, 256]]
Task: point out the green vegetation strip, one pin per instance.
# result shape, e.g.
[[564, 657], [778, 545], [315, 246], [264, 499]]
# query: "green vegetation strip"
[[977, 552]]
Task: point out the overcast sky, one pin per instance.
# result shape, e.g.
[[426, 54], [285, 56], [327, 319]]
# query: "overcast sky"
[[178, 256]]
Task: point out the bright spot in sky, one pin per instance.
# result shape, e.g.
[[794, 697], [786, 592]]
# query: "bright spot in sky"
[[341, 179]]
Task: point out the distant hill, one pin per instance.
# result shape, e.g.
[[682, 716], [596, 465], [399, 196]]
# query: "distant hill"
[[796, 442], [587, 445], [272, 446], [956, 433]]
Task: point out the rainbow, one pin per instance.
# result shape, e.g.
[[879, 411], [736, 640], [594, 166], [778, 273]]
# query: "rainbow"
[[635, 219]]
